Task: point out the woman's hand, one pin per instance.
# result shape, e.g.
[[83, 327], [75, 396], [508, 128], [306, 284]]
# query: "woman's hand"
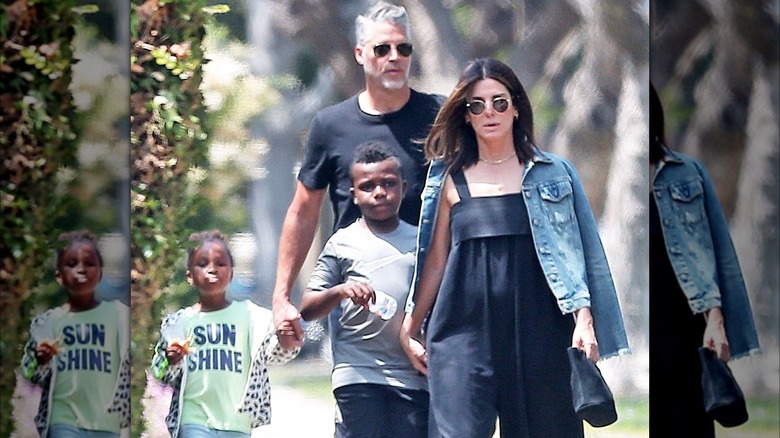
[[715, 334], [584, 337], [414, 350]]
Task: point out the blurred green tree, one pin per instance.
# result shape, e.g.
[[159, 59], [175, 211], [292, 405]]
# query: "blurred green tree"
[[37, 139], [168, 141]]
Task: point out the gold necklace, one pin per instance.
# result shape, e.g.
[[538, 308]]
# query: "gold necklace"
[[497, 161]]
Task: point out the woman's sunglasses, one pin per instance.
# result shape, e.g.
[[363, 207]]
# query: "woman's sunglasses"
[[381, 50], [477, 107]]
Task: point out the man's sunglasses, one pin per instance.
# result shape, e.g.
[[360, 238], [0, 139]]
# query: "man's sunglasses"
[[477, 107], [381, 50]]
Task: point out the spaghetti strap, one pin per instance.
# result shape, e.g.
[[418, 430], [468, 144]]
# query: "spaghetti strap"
[[461, 185]]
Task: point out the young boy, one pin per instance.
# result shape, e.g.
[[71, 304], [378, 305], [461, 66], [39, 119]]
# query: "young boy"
[[78, 353], [214, 353], [378, 392]]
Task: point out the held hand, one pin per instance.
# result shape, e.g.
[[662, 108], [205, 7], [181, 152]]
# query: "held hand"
[[584, 336], [715, 334], [360, 293], [414, 350], [289, 342], [418, 356], [287, 321]]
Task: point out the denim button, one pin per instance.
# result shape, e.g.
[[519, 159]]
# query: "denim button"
[[684, 277], [527, 193], [544, 250], [667, 222], [659, 194], [676, 250], [553, 277], [536, 222]]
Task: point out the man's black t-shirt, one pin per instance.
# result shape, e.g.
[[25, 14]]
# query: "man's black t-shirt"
[[338, 129]]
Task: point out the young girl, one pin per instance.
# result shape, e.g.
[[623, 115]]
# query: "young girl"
[[78, 353], [214, 353]]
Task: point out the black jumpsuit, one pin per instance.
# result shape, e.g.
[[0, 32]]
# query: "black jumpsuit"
[[496, 338], [676, 400]]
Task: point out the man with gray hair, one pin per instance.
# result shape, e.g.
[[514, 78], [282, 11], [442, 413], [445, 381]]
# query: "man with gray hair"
[[387, 110]]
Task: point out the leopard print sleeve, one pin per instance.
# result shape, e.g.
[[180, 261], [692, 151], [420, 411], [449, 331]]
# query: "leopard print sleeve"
[[120, 404], [275, 354], [161, 368], [30, 368], [257, 397]]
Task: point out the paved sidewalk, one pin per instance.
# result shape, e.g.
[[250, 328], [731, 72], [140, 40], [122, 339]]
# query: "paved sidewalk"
[[296, 415]]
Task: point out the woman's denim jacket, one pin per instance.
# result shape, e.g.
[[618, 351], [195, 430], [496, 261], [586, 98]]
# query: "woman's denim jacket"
[[567, 244], [700, 249]]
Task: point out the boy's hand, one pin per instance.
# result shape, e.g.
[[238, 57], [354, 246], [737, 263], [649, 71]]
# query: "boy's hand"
[[360, 293], [414, 350], [417, 354]]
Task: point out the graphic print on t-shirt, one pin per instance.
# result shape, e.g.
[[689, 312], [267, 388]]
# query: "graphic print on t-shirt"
[[215, 348], [84, 348]]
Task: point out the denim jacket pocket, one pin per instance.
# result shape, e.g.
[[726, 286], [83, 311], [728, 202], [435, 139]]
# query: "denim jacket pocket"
[[688, 201], [558, 202]]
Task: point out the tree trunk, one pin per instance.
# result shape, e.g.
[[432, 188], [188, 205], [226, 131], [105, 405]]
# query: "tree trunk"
[[322, 26], [539, 35], [585, 133], [437, 45], [716, 132], [757, 213], [624, 225]]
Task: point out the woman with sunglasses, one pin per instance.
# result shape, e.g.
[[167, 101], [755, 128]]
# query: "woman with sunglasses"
[[516, 269]]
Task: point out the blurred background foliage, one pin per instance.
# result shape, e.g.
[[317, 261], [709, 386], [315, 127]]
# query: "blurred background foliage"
[[64, 163], [37, 139]]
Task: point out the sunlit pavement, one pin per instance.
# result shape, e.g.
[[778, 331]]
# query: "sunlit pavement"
[[295, 415]]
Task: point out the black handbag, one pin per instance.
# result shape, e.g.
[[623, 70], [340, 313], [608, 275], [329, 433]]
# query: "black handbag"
[[723, 398], [592, 399]]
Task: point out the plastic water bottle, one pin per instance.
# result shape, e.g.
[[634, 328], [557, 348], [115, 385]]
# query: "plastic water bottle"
[[384, 307]]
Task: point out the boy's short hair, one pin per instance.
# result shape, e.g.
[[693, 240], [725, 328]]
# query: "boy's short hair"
[[71, 237], [201, 237], [374, 152]]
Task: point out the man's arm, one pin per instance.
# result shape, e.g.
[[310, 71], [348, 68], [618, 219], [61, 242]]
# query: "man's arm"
[[298, 230]]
